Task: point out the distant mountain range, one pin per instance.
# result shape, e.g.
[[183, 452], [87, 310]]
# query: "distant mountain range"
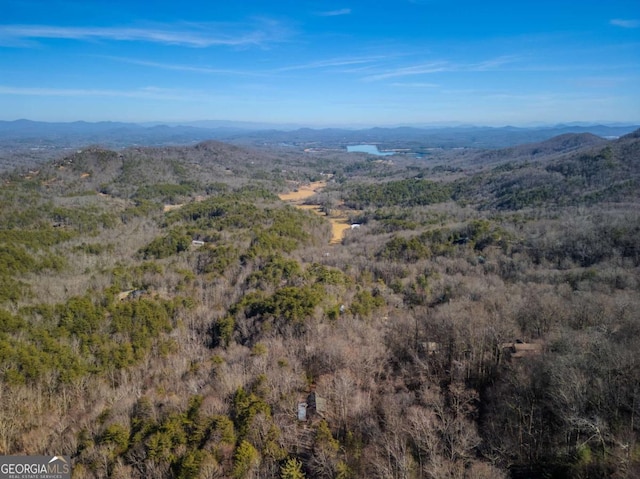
[[33, 134]]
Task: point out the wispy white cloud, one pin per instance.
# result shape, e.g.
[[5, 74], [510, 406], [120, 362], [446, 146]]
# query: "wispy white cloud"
[[189, 35], [333, 62], [492, 64], [415, 85], [618, 22], [335, 13], [181, 67], [154, 93], [442, 66], [434, 67], [320, 64]]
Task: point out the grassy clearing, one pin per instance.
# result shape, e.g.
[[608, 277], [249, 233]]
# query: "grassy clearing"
[[339, 224]]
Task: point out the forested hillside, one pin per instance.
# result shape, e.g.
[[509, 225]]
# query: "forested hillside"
[[164, 314]]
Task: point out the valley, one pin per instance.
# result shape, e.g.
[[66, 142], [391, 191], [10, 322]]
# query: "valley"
[[166, 311]]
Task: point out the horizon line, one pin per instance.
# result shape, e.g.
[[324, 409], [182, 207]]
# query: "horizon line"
[[263, 125]]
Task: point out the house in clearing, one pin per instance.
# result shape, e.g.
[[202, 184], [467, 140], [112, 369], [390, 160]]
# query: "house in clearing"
[[313, 409], [316, 405]]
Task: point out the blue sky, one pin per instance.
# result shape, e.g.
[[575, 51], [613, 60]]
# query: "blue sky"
[[321, 63]]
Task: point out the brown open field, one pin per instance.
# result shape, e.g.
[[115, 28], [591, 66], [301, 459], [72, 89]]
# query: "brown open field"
[[338, 227], [339, 224], [166, 208], [303, 192], [197, 199]]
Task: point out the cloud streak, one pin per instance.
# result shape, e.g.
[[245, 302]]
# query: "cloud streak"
[[618, 22], [426, 68], [320, 64], [335, 13], [185, 68], [333, 62], [415, 85], [188, 35], [153, 93], [442, 67]]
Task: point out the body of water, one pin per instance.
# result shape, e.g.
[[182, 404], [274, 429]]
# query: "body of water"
[[371, 149]]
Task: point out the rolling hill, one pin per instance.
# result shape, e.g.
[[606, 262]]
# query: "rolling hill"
[[163, 313]]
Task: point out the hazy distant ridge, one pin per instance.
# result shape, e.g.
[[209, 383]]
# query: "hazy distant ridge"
[[115, 134]]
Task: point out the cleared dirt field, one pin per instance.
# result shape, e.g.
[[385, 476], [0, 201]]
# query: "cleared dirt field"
[[303, 192], [166, 208], [338, 227], [339, 224]]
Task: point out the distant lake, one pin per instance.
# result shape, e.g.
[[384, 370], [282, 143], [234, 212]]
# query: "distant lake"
[[371, 149]]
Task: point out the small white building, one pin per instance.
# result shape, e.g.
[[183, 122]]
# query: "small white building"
[[302, 411]]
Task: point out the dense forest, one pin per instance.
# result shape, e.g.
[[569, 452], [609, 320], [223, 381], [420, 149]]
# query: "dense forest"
[[164, 314]]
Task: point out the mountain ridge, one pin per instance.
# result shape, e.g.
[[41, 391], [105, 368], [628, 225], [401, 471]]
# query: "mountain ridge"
[[121, 134]]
